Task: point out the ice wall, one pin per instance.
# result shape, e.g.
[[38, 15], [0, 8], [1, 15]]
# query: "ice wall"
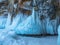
[[17, 20], [40, 19], [7, 33], [39, 22], [29, 26]]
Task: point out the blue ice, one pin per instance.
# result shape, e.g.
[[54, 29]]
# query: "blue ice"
[[58, 41], [7, 33], [29, 26], [2, 22]]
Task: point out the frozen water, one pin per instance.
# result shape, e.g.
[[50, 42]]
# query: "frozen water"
[[8, 33], [29, 26], [59, 30], [2, 22], [58, 35], [9, 38], [51, 26], [16, 20], [8, 20], [2, 0], [33, 25], [22, 24]]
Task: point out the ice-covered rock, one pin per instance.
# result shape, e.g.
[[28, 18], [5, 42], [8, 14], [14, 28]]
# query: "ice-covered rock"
[[29, 26], [16, 20], [33, 24], [34, 21]]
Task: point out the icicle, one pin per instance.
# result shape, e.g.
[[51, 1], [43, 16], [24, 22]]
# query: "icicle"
[[8, 20], [49, 27], [33, 15], [15, 22]]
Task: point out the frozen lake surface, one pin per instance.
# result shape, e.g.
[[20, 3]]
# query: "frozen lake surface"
[[48, 40], [23, 40]]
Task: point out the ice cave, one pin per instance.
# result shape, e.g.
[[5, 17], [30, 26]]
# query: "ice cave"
[[29, 22]]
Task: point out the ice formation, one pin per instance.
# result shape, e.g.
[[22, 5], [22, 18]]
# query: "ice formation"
[[44, 25], [58, 41], [29, 26], [16, 20], [2, 22], [8, 33], [39, 22]]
